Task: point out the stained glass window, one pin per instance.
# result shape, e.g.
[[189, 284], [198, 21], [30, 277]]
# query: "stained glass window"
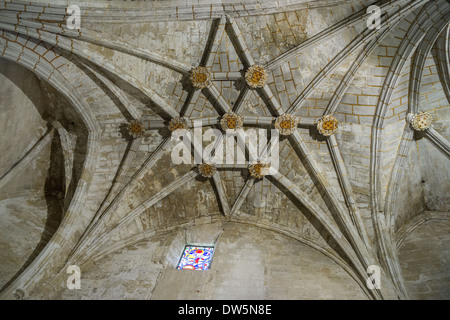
[[196, 257]]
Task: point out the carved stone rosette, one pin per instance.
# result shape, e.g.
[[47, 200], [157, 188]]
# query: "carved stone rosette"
[[421, 121], [286, 124], [136, 129], [256, 76], [259, 169], [327, 125], [231, 122], [207, 170], [201, 77], [177, 123]]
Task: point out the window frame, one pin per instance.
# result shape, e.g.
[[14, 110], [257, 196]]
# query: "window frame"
[[198, 246]]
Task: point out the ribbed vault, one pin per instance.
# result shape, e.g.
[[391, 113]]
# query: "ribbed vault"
[[340, 193]]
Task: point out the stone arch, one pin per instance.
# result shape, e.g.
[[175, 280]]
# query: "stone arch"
[[23, 56]]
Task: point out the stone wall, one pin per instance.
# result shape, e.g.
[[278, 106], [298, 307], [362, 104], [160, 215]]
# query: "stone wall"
[[249, 263], [425, 257], [23, 207], [97, 84], [20, 106]]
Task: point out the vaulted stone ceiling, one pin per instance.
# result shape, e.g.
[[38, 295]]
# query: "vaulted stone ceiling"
[[345, 195]]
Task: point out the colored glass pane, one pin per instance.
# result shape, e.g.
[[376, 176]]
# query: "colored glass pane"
[[196, 258]]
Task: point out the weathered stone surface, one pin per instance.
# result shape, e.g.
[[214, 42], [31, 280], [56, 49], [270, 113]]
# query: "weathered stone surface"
[[85, 192], [424, 258], [249, 263]]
